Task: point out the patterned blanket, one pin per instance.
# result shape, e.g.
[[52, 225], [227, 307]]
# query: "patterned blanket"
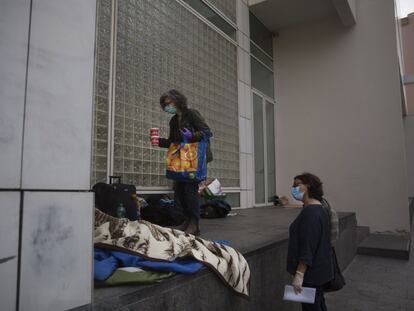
[[158, 243]]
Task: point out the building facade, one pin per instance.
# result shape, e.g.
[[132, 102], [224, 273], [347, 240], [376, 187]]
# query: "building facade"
[[286, 87], [339, 111], [145, 48], [406, 27]]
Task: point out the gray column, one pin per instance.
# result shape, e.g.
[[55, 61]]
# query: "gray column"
[[14, 34], [46, 102], [245, 106]]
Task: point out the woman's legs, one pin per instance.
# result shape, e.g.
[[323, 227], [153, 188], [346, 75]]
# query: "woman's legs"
[[193, 207], [186, 196], [179, 199], [319, 304]]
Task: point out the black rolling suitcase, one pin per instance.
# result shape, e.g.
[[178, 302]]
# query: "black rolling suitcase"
[[117, 199]]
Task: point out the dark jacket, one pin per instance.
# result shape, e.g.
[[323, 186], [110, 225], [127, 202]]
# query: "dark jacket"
[[192, 120], [309, 242]]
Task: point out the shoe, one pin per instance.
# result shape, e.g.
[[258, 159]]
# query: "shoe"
[[183, 225], [195, 232], [193, 227]]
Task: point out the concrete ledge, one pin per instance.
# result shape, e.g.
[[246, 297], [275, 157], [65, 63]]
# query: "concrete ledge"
[[362, 233], [386, 245], [261, 234], [83, 308]]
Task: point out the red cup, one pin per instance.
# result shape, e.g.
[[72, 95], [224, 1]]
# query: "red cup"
[[154, 131], [155, 140]]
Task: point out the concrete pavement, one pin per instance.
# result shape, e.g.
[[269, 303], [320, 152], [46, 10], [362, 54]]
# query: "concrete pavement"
[[377, 284]]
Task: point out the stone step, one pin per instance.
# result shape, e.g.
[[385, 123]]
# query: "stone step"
[[362, 232], [386, 245]]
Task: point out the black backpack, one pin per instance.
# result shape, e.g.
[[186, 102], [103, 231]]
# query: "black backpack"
[[163, 211], [108, 197], [215, 209]]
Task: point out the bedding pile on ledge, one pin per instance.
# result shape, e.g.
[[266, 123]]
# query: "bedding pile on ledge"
[[156, 243]]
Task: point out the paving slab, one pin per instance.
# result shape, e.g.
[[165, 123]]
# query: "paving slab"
[[376, 283]]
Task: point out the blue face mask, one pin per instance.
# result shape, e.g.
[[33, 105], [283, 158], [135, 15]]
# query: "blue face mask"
[[297, 194], [170, 109]]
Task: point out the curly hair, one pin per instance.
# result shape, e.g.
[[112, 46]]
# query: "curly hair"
[[177, 97], [313, 184]]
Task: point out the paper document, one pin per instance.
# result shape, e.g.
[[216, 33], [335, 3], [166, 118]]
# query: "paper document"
[[307, 295]]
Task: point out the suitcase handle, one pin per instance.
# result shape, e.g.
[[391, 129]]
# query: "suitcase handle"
[[111, 178]]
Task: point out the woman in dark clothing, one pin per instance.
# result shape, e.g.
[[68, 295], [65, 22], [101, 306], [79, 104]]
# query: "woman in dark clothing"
[[189, 125], [309, 252]]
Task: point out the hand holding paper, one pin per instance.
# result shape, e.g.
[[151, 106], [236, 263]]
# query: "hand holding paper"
[[307, 295], [297, 282]]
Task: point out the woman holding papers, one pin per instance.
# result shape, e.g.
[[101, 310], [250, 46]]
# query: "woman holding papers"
[[309, 253]]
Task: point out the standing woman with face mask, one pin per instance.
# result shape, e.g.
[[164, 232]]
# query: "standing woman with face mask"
[[309, 252], [186, 124]]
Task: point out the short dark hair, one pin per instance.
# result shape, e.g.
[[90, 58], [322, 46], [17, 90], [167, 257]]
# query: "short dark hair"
[[313, 184], [179, 99]]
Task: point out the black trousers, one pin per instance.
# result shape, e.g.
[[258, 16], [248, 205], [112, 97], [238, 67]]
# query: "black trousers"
[[319, 304], [186, 196]]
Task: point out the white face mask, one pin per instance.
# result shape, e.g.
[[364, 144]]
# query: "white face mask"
[[296, 193]]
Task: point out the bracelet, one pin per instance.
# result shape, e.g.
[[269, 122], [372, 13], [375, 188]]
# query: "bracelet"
[[300, 273]]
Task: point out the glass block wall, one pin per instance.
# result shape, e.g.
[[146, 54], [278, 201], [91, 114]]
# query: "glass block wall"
[[227, 7], [102, 67], [161, 45]]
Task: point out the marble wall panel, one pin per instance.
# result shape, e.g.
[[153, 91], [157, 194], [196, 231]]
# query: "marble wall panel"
[[56, 258], [14, 29], [9, 223], [9, 242], [8, 284], [58, 126]]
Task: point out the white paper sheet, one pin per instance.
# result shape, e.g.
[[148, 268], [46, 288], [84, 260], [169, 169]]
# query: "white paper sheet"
[[307, 295], [131, 269]]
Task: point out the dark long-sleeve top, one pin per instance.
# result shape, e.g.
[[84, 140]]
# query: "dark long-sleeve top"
[[309, 243], [192, 120]]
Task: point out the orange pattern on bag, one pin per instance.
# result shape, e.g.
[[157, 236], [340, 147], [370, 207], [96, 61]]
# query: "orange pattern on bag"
[[182, 158]]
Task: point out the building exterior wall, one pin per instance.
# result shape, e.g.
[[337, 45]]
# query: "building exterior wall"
[[47, 50], [14, 28], [352, 5], [152, 56], [407, 38], [339, 114], [140, 56], [407, 43], [409, 147], [346, 11]]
